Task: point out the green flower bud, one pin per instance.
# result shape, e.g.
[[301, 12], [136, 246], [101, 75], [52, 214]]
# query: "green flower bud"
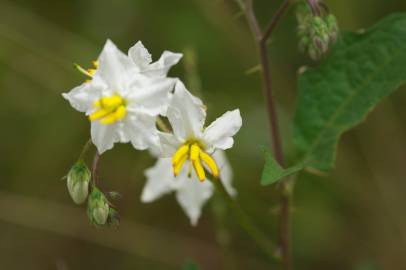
[[78, 180], [317, 32], [332, 27], [98, 207], [99, 210]]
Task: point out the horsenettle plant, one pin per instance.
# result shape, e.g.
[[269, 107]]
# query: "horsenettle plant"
[[126, 97]]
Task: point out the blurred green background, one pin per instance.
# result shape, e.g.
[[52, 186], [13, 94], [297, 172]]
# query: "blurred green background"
[[352, 219]]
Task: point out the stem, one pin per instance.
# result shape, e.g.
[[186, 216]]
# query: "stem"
[[95, 168], [246, 223], [261, 39], [275, 19], [85, 149]]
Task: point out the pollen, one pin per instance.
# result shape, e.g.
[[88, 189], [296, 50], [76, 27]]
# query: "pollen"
[[109, 110], [199, 160]]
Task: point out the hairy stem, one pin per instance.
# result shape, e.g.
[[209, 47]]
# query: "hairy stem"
[[261, 38], [245, 222]]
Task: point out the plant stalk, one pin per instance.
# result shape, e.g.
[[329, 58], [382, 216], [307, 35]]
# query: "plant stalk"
[[261, 38]]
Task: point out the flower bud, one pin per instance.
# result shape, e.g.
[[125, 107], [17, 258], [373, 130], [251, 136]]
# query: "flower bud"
[[78, 180], [332, 27], [99, 211], [98, 207], [317, 32]]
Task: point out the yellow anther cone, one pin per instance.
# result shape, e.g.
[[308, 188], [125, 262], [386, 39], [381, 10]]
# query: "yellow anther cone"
[[210, 162], [199, 170], [180, 153], [194, 152]]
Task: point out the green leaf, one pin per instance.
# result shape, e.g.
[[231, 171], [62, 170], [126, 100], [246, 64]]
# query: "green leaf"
[[362, 69], [273, 172], [190, 265]]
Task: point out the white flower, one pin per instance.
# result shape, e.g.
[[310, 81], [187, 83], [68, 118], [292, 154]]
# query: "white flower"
[[142, 61], [120, 101], [190, 193], [190, 143]]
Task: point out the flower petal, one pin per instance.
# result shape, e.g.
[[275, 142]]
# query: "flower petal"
[[226, 172], [169, 144], [141, 131], [113, 65], [219, 133], [152, 96], [160, 180], [82, 97], [140, 56], [186, 113], [161, 67], [103, 136], [192, 195]]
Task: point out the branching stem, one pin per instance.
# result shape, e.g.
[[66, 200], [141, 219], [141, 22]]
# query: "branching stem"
[[261, 38]]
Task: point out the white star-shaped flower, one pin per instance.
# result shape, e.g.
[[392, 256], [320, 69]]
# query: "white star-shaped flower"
[[189, 151], [190, 193], [191, 145], [120, 100]]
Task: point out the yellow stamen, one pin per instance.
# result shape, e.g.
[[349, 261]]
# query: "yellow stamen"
[[95, 63], [109, 102], [178, 166], [210, 162], [98, 114], [91, 71], [194, 152], [109, 119], [199, 170], [82, 70], [109, 109], [182, 151], [121, 112]]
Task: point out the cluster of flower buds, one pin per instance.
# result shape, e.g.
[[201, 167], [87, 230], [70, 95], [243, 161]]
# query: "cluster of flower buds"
[[100, 211], [317, 28]]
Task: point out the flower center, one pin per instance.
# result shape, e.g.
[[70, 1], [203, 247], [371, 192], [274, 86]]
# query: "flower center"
[[196, 154], [109, 109]]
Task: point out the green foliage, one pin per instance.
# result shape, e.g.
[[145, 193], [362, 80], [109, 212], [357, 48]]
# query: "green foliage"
[[362, 69], [273, 172], [190, 265]]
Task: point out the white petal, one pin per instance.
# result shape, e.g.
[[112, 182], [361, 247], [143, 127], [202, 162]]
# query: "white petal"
[[83, 96], [160, 180], [186, 113], [226, 172], [141, 131], [140, 56], [152, 96], [192, 195], [219, 133], [161, 67], [103, 136], [168, 143], [113, 65]]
